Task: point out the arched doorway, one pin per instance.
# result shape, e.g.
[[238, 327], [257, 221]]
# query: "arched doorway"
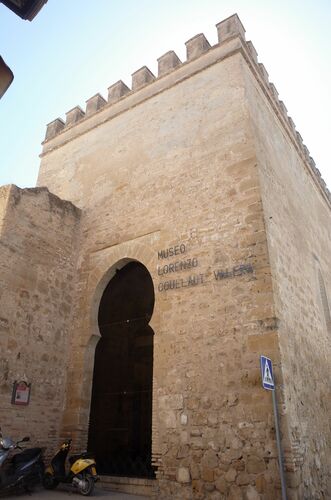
[[120, 428]]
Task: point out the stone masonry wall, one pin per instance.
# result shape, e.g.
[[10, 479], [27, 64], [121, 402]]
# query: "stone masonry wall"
[[178, 170], [37, 261], [200, 175], [298, 220]]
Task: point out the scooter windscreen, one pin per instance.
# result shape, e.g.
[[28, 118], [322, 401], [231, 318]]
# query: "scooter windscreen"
[[6, 443]]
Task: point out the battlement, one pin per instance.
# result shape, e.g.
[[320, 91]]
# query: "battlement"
[[197, 47]]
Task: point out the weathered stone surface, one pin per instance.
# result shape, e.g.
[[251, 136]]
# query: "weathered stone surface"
[[197, 489], [169, 418], [94, 104], [168, 62], [210, 459], [212, 419], [255, 465], [231, 475], [252, 51], [74, 115], [183, 475], [230, 456], [183, 419], [196, 46], [220, 484], [207, 474], [260, 483], [183, 451], [251, 493], [116, 91], [39, 241], [235, 493], [195, 470], [54, 128], [231, 26], [200, 178], [142, 77], [263, 72], [215, 495], [242, 478]]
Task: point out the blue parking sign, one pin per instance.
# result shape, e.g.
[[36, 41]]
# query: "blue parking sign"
[[266, 373]]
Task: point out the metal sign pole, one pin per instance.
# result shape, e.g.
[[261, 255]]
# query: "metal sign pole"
[[269, 383], [279, 446]]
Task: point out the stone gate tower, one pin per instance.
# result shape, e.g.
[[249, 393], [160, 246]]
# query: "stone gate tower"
[[195, 238]]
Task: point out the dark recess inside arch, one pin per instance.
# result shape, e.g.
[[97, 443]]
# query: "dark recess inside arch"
[[120, 430]]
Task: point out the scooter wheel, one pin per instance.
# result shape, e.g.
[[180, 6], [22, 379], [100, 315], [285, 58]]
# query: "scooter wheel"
[[49, 482], [87, 485]]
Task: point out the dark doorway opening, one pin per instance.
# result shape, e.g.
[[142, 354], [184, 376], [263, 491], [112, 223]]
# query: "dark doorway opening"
[[120, 430]]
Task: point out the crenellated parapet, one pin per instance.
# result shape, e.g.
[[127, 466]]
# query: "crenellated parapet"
[[197, 48], [287, 120]]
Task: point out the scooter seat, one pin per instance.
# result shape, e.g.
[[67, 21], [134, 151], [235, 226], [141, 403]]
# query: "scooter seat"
[[83, 455], [26, 455]]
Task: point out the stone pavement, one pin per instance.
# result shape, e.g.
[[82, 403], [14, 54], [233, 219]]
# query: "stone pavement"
[[65, 493]]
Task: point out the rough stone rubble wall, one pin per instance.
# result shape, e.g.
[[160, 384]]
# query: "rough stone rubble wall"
[[37, 240], [298, 221]]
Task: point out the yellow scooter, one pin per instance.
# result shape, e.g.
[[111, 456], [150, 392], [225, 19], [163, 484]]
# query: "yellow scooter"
[[82, 474]]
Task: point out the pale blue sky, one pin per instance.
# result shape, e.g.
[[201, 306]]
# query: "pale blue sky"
[[76, 48]]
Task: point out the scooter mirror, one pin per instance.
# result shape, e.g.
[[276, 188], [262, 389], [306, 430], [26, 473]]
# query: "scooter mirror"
[[26, 438]]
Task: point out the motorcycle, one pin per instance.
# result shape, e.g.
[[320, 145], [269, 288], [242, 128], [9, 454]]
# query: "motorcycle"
[[20, 470], [82, 473]]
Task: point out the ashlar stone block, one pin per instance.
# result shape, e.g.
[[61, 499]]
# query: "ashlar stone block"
[[142, 77], [283, 108], [299, 138], [54, 128], [94, 104], [292, 124], [183, 475], [274, 91], [264, 73], [196, 46], [74, 115], [252, 51], [117, 90], [230, 27], [168, 62]]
